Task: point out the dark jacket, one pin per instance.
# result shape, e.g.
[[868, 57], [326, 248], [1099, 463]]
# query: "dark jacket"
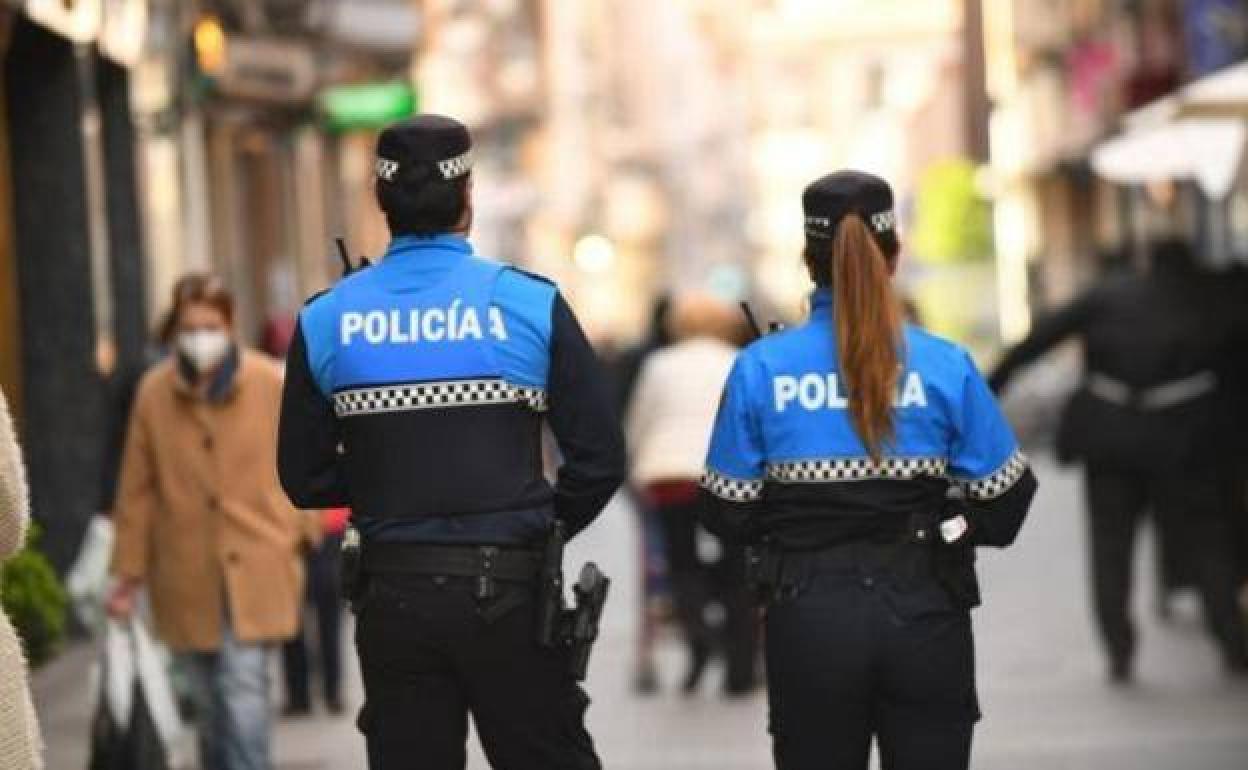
[[1141, 334]]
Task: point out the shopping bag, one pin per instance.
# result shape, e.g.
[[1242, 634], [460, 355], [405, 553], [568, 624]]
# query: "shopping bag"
[[87, 581], [136, 723]]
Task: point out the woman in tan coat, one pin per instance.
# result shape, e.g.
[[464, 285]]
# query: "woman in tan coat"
[[19, 732], [203, 525]]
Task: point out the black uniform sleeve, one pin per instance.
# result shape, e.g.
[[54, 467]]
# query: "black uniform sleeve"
[[584, 422], [1045, 334], [307, 446], [734, 522], [734, 478], [997, 521]]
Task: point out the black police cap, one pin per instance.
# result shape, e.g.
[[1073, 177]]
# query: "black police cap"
[[827, 200], [421, 149]]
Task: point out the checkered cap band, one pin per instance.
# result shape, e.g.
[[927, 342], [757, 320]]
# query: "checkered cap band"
[[818, 227], [856, 469], [386, 168], [825, 227], [999, 481], [883, 221], [455, 167], [436, 395], [730, 489]]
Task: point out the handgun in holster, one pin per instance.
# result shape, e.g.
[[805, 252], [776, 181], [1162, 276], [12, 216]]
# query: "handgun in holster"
[[559, 626], [591, 597]]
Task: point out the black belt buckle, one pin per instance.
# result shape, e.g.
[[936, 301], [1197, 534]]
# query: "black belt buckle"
[[487, 586]]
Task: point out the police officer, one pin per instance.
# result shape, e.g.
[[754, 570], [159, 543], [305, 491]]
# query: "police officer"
[[1153, 422], [832, 453], [416, 394]]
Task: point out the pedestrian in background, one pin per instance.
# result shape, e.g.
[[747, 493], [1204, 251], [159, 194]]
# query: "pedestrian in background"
[[668, 427], [203, 526], [624, 369], [1151, 421], [20, 747], [323, 653], [831, 454]]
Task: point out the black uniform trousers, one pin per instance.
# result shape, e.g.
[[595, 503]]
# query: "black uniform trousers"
[[867, 650], [1198, 508], [431, 653]]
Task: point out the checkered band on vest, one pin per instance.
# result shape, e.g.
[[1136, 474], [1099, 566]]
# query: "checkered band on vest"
[[856, 469], [1000, 481], [730, 489], [436, 395]]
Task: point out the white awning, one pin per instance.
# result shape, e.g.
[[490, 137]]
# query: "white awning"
[[1207, 150], [1222, 94]]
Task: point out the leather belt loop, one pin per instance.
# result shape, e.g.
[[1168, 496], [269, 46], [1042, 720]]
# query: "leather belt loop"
[[487, 588]]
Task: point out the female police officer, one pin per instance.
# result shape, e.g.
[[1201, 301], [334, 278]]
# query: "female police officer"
[[864, 460]]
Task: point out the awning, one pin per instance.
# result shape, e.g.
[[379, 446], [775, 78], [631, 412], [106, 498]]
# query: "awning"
[[1207, 150], [1197, 132], [1222, 94]]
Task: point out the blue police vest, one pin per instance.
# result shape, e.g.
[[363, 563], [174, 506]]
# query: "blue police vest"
[[784, 427], [435, 362]]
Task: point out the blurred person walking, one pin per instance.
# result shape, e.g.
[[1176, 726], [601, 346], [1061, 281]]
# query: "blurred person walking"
[[832, 455], [416, 393], [323, 652], [625, 369], [668, 427], [1150, 422], [20, 747], [203, 526]]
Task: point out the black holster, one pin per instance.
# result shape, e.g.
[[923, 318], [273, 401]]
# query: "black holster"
[[575, 628], [591, 597]]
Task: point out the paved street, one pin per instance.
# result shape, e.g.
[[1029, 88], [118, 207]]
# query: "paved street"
[[1041, 679]]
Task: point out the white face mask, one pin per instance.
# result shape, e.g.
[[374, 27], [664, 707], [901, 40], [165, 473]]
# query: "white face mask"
[[204, 348]]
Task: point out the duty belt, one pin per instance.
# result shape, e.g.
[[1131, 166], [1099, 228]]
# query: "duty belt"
[[1153, 398], [487, 564], [774, 573]]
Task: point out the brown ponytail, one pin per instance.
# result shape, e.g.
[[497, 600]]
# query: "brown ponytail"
[[868, 330]]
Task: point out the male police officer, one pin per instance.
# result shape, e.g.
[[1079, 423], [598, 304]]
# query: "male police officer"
[[415, 393]]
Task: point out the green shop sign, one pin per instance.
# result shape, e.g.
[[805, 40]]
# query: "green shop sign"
[[367, 105]]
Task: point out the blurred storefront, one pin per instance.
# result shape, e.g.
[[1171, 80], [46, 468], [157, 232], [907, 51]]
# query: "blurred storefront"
[[1065, 76], [156, 137], [237, 133], [71, 278], [882, 86], [584, 168]]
